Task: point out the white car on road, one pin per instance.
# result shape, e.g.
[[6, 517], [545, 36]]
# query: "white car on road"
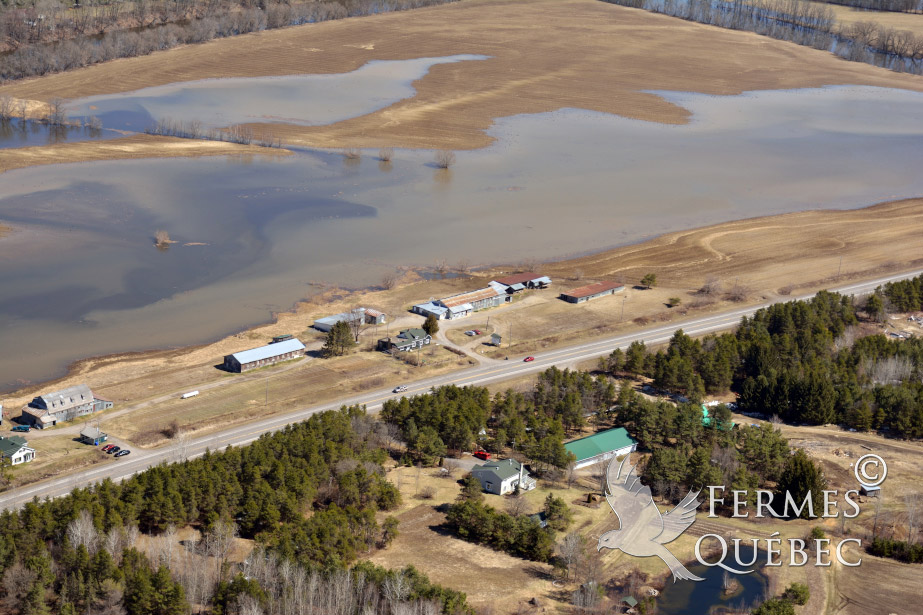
[[400, 389]]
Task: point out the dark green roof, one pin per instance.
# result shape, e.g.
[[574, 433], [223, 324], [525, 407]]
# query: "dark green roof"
[[412, 334], [602, 442], [503, 468], [11, 445], [630, 601]]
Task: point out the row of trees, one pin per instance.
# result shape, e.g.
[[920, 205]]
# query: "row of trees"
[[803, 361], [193, 129], [48, 37], [80, 553], [895, 6], [458, 419], [805, 23]]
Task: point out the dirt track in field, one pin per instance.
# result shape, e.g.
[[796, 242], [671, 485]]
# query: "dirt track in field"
[[545, 55]]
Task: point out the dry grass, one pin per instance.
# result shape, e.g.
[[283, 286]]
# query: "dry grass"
[[138, 146], [53, 453], [544, 55], [5, 230]]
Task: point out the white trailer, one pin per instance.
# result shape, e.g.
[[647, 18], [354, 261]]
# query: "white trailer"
[[189, 394]]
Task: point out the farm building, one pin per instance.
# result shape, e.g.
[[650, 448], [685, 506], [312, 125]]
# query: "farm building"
[[64, 405], [872, 491], [263, 356], [592, 291], [462, 304], [503, 476], [522, 281], [601, 446], [16, 449], [425, 309], [368, 316], [92, 436], [409, 339]]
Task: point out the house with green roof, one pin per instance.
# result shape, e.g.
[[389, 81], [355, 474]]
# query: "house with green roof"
[[601, 446], [16, 449], [503, 476]]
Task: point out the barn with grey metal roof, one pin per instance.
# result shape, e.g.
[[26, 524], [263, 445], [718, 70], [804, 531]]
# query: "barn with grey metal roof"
[[264, 355]]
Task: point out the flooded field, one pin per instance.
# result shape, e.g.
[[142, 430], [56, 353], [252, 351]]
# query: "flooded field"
[[294, 99], [81, 276], [16, 133]]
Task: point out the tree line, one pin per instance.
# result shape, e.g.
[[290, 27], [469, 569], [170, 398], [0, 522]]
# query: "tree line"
[[80, 553], [535, 423], [50, 37], [892, 6], [802, 361], [805, 23]]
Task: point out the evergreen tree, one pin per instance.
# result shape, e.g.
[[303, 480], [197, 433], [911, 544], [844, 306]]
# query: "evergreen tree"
[[431, 325], [800, 479], [339, 340]]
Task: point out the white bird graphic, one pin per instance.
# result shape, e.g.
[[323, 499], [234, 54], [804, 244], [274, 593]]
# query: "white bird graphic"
[[642, 529]]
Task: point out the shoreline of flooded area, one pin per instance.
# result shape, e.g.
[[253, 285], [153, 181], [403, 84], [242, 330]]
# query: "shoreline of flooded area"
[[306, 100], [253, 236]]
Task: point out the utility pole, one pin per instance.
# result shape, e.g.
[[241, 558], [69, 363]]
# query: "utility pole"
[[624, 299], [839, 267], [511, 336]]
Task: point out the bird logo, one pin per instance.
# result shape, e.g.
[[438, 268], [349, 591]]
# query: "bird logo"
[[643, 531]]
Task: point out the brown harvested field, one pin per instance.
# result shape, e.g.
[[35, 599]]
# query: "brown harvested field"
[[879, 586], [4, 230], [137, 146], [847, 16], [544, 55]]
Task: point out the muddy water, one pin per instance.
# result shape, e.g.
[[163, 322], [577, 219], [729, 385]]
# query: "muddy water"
[[294, 99], [81, 276]]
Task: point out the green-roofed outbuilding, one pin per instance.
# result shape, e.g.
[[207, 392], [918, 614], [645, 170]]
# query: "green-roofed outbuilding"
[[601, 446]]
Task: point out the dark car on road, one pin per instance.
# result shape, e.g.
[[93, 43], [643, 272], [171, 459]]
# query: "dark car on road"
[[122, 453], [114, 449]]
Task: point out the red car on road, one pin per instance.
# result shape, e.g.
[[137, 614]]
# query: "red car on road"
[[482, 455], [528, 359]]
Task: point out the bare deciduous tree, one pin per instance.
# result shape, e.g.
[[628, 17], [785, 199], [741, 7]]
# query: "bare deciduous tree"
[[711, 287], [445, 158], [82, 531], [913, 501], [572, 550], [385, 154], [6, 108], [516, 505]]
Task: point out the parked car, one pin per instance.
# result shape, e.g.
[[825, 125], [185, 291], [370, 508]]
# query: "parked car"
[[470, 333], [477, 331], [24, 428], [122, 453], [114, 449], [400, 389], [528, 359], [106, 448], [482, 455]]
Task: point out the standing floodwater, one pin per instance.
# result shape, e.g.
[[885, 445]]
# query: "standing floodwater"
[[81, 275]]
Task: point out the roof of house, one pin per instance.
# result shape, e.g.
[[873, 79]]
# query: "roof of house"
[[599, 443], [11, 445], [66, 398], [413, 334], [91, 432], [374, 313], [519, 278], [469, 297], [592, 289], [630, 601], [503, 468], [464, 307], [268, 351]]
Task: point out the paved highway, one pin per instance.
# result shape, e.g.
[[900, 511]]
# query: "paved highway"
[[139, 460]]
